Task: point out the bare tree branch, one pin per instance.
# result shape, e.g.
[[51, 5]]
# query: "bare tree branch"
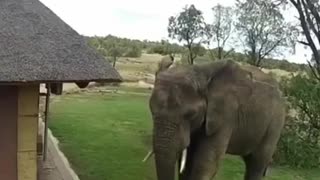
[[308, 19], [305, 28], [304, 43], [314, 72], [272, 48], [226, 54], [314, 11]]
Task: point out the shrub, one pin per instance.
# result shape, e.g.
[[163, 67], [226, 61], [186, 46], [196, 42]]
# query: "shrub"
[[158, 49], [299, 145], [165, 48], [198, 60], [133, 52]]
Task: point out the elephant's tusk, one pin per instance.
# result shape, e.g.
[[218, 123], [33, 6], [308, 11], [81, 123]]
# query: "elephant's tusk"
[[183, 160], [148, 156]]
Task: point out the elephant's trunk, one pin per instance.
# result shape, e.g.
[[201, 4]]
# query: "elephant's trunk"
[[165, 168], [165, 151]]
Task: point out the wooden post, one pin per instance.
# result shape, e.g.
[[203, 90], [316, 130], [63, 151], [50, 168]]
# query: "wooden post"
[[46, 122]]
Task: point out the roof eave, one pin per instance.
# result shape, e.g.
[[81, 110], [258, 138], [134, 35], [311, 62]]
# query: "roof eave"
[[60, 81]]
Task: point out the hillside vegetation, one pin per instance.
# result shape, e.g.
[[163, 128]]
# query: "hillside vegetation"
[[153, 51]]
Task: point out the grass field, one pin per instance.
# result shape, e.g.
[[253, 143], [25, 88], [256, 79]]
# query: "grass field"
[[106, 137]]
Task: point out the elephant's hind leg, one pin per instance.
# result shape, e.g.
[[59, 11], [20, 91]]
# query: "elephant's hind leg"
[[255, 167], [265, 171], [259, 160]]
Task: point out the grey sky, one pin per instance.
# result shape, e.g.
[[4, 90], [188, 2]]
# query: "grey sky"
[[138, 19]]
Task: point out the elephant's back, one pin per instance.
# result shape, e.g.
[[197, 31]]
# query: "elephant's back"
[[259, 75]]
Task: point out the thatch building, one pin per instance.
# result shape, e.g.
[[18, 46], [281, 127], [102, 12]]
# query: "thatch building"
[[36, 47]]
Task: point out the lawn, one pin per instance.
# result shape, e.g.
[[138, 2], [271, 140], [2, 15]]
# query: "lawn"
[[106, 136]]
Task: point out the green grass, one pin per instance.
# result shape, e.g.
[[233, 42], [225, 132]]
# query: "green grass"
[[106, 137]]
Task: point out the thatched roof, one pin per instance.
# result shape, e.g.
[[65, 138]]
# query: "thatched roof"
[[37, 46]]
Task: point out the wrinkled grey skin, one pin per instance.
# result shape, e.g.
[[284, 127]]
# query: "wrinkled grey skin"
[[214, 109]]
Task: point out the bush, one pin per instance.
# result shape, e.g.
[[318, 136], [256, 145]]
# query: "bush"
[[158, 49], [165, 48], [133, 52], [198, 60], [299, 145]]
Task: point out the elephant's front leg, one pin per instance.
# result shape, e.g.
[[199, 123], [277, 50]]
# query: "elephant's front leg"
[[209, 152]]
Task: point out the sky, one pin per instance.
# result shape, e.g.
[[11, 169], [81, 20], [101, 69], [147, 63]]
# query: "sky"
[[135, 19]]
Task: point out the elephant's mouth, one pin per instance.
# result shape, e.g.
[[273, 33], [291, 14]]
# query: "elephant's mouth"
[[184, 156], [185, 159], [182, 161]]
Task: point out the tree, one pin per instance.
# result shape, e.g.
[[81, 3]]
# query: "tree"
[[309, 18], [264, 29], [189, 27], [99, 44], [108, 46], [115, 51], [221, 28]]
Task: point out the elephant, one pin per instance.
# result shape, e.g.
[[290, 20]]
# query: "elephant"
[[202, 112]]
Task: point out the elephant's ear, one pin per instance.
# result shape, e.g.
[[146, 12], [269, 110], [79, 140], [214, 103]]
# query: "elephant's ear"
[[227, 90], [165, 64]]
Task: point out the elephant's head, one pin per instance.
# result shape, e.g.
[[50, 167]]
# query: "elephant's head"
[[183, 102]]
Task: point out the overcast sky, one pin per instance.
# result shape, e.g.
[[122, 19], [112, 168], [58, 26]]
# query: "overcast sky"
[[137, 19]]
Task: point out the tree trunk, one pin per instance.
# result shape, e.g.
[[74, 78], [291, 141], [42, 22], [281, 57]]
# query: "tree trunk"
[[258, 61], [253, 59], [190, 55], [211, 54], [220, 53], [114, 62], [191, 61]]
